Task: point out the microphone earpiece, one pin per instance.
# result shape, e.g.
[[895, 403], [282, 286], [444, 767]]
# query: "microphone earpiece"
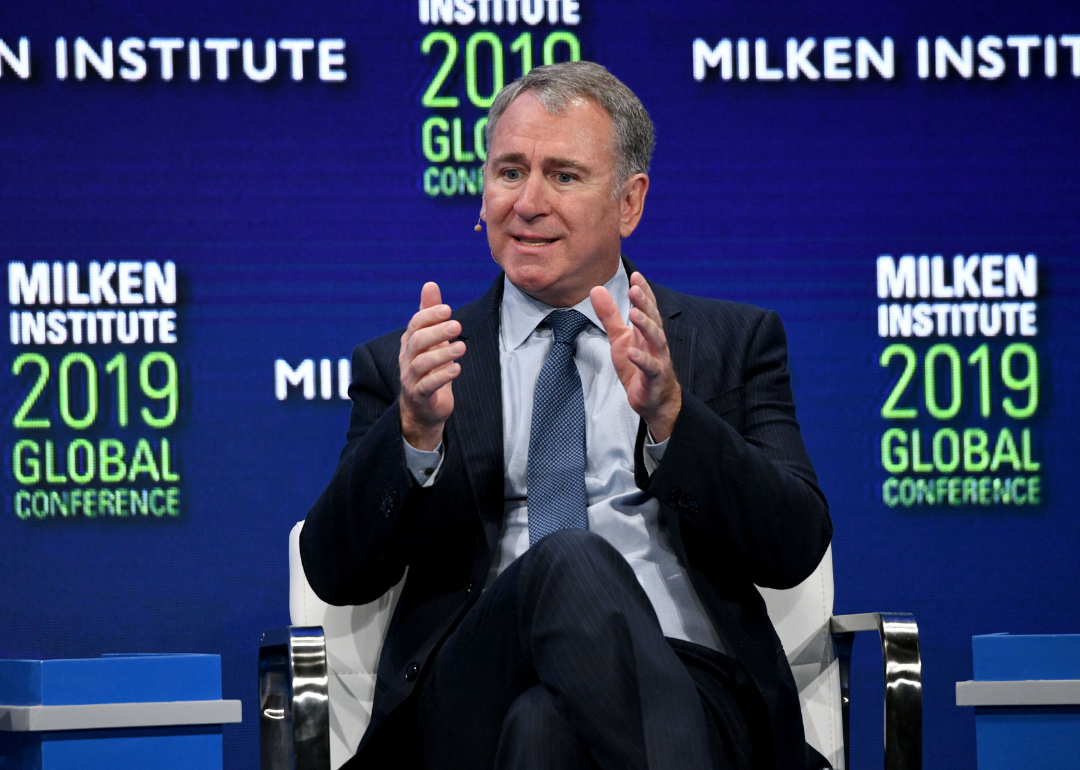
[[477, 227]]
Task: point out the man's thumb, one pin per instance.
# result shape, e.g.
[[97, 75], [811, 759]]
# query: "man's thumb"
[[430, 296]]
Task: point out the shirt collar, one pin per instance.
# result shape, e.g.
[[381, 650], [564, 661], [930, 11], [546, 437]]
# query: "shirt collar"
[[520, 314]]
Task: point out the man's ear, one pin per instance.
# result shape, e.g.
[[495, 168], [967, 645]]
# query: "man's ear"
[[632, 203], [483, 196]]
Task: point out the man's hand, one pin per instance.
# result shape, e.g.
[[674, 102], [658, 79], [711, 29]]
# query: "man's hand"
[[428, 362], [641, 356]]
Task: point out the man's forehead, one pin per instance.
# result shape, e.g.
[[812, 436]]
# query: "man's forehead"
[[554, 161], [567, 137], [555, 107]]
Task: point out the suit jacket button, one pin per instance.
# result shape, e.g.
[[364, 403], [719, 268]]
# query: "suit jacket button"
[[411, 672], [472, 585]]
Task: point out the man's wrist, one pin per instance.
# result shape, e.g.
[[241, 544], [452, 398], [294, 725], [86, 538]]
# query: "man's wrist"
[[662, 423], [424, 437]]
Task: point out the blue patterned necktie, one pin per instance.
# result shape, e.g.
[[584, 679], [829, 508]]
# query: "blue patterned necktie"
[[556, 472]]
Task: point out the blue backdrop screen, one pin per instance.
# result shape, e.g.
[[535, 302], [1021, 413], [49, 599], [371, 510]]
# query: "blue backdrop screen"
[[204, 208]]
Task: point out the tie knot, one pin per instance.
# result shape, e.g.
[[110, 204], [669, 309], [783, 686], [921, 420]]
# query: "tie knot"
[[567, 325]]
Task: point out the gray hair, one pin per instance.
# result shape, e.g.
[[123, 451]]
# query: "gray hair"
[[557, 86]]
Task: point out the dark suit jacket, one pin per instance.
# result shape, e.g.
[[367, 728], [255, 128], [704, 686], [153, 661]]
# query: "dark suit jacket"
[[736, 490]]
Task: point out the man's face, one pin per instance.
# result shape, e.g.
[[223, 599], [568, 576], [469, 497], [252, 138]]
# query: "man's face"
[[553, 224]]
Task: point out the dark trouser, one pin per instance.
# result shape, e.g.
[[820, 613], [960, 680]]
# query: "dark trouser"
[[562, 664]]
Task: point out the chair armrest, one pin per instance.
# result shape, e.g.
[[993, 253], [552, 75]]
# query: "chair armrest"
[[294, 711], [903, 682]]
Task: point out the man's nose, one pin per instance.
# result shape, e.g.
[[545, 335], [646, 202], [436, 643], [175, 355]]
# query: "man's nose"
[[532, 198]]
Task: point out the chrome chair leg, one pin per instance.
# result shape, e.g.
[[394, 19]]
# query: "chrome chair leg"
[[294, 715], [899, 637]]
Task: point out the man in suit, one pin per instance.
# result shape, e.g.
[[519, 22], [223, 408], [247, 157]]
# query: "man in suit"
[[585, 475]]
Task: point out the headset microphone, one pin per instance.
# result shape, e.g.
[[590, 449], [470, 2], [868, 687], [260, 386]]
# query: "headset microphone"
[[477, 226]]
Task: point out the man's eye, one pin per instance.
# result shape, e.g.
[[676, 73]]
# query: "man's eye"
[[512, 174], [564, 178]]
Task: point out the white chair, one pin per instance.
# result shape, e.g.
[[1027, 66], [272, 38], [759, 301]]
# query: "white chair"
[[317, 677]]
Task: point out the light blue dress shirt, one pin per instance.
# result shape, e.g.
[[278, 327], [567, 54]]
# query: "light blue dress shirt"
[[618, 511]]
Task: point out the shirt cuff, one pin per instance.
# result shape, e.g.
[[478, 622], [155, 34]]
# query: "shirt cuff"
[[654, 452], [424, 466]]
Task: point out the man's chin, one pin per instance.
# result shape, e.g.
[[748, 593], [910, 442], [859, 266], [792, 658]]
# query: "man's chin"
[[548, 281], [531, 281], [535, 280]]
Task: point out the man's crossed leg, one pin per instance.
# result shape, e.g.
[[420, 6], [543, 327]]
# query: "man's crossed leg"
[[562, 664]]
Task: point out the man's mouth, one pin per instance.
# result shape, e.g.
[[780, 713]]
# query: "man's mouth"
[[534, 241]]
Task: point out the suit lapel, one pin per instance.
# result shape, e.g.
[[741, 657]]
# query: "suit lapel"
[[680, 338], [680, 335], [475, 427]]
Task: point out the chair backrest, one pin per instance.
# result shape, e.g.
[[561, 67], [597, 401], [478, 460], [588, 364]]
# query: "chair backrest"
[[354, 637], [801, 618]]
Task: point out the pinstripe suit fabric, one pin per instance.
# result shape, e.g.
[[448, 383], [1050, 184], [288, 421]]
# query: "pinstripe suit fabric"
[[570, 615], [737, 493]]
